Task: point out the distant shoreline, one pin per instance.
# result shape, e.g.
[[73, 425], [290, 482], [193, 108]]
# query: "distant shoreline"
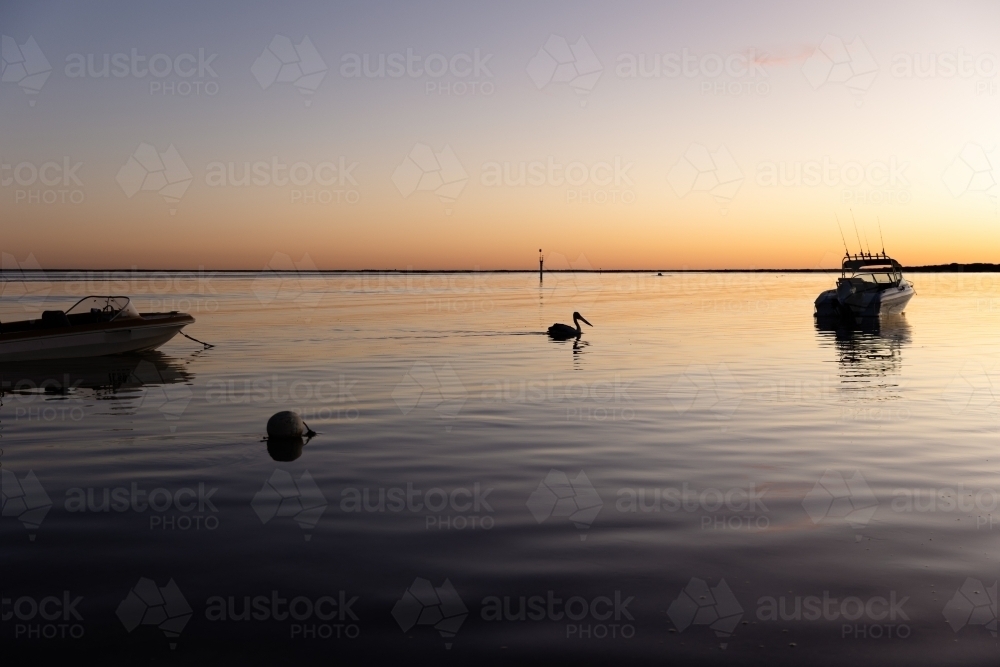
[[977, 267]]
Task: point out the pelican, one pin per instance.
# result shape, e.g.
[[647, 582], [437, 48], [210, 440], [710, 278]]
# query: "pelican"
[[565, 331]]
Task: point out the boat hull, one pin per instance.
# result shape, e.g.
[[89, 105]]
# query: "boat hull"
[[893, 302], [124, 337], [890, 301]]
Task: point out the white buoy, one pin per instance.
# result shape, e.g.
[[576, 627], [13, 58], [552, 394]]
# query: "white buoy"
[[287, 424]]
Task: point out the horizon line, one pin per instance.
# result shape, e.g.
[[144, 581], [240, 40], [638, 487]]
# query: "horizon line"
[[982, 267]]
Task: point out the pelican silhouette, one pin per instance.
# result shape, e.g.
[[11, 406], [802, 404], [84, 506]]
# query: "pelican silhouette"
[[565, 331]]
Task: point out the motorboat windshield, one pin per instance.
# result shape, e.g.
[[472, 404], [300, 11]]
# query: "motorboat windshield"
[[105, 308], [881, 278]]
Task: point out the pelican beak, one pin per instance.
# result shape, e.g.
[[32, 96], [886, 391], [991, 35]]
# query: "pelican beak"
[[586, 322]]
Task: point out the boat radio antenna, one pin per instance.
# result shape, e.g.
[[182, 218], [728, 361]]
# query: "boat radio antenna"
[[860, 248], [880, 234], [841, 230]]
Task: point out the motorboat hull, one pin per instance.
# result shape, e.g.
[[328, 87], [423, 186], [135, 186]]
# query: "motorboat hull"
[[98, 340], [891, 301]]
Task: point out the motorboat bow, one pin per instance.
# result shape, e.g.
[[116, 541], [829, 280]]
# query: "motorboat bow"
[[95, 326], [870, 285]]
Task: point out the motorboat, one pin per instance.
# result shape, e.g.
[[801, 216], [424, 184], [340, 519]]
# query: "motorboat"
[[95, 326], [870, 285]]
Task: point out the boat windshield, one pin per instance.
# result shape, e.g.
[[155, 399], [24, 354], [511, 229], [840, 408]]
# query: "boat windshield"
[[118, 307], [877, 278]]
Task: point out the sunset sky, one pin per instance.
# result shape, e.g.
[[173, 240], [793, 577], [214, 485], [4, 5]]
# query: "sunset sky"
[[648, 134]]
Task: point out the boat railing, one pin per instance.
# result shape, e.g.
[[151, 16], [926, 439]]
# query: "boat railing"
[[871, 263]]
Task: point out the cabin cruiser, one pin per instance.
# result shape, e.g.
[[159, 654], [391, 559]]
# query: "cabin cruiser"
[[870, 285], [95, 326]]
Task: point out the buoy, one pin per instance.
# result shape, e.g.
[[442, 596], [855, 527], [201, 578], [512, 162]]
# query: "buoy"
[[287, 424]]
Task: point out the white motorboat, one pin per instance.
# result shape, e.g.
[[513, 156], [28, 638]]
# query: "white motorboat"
[[95, 326], [870, 285]]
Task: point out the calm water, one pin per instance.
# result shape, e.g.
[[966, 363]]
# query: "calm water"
[[704, 477]]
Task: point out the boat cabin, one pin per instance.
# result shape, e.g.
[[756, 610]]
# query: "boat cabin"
[[88, 310], [868, 271]]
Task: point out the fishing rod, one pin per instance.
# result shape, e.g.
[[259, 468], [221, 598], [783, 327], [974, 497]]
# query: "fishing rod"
[[860, 248], [880, 234], [841, 230]]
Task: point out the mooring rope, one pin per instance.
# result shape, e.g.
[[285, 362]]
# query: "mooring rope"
[[207, 345]]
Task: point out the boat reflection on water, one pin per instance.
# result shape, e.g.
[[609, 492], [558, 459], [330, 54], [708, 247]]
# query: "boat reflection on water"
[[869, 353], [103, 377]]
